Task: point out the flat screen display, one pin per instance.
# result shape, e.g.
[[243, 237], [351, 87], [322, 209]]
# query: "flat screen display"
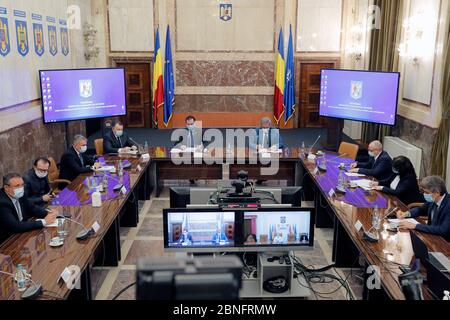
[[359, 95], [277, 228], [79, 94], [192, 229]]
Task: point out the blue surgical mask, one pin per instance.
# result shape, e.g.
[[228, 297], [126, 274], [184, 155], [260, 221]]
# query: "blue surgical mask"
[[371, 154], [190, 127], [119, 134], [428, 197], [19, 192], [83, 149]]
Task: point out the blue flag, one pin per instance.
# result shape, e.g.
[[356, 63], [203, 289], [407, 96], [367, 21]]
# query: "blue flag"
[[169, 85], [289, 82]]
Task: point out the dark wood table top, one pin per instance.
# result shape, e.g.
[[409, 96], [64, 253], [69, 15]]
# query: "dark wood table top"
[[46, 263], [358, 205]]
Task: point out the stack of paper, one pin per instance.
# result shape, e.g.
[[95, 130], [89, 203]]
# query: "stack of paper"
[[107, 169], [364, 184], [395, 222], [350, 174]]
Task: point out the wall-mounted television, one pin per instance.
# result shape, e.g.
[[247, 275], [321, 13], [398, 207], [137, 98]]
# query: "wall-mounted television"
[[79, 94], [216, 230], [358, 95]]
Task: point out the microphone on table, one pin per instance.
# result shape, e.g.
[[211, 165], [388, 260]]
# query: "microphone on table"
[[374, 237], [83, 234], [317, 140], [323, 167], [117, 186], [66, 214], [32, 291]]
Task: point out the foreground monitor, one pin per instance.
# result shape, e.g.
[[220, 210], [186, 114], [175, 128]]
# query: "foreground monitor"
[[78, 94], [359, 95], [216, 230]]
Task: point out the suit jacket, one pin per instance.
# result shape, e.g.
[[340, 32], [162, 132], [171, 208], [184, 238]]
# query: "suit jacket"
[[221, 237], [36, 187], [71, 167], [380, 169], [9, 220], [183, 238], [407, 189], [440, 224], [112, 145], [183, 137], [274, 138]]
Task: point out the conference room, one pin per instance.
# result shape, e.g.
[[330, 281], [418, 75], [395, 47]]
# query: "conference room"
[[258, 151]]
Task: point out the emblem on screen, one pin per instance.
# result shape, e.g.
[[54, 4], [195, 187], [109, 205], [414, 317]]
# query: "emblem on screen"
[[226, 11], [356, 89], [85, 88]]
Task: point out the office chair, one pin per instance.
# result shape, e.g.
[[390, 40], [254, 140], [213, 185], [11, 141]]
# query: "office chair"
[[350, 150], [53, 176], [98, 146]]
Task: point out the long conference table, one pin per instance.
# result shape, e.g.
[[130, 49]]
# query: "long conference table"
[[341, 212]]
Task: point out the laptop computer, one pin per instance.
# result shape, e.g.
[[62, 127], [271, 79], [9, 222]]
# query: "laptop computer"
[[438, 259], [437, 281]]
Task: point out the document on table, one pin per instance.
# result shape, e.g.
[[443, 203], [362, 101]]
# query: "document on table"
[[57, 223], [262, 151], [133, 152], [363, 183], [395, 222], [187, 150], [107, 168], [266, 155], [351, 174]]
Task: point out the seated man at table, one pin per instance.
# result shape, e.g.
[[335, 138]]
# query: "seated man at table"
[[437, 208], [379, 166], [37, 188], [219, 236], [192, 137], [266, 137], [118, 141], [16, 211], [185, 238], [75, 161]]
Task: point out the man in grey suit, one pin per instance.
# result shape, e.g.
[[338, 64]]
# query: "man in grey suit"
[[266, 137]]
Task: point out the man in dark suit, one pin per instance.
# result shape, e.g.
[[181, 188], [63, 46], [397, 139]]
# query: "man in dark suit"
[[185, 237], [37, 188], [75, 161], [192, 137], [118, 141], [379, 166], [266, 137], [437, 209], [16, 210]]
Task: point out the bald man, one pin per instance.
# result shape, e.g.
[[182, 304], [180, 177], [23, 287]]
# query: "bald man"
[[379, 165]]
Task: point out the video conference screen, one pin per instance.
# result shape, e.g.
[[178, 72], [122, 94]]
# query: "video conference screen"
[[277, 228], [359, 95], [200, 229], [82, 94]]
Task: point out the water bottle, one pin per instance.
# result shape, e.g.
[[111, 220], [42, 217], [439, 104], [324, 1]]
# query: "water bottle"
[[145, 147], [96, 199], [105, 182], [446, 295], [302, 149], [20, 278], [341, 181], [376, 219], [120, 171]]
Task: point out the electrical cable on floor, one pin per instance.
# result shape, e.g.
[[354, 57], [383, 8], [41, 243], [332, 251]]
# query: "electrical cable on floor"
[[123, 290]]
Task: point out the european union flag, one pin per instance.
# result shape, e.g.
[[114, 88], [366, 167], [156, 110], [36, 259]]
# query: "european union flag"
[[169, 85], [289, 82]]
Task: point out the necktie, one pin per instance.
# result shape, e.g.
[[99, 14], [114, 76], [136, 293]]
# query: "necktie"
[[18, 209], [191, 139], [434, 209], [81, 159], [120, 141], [265, 140]]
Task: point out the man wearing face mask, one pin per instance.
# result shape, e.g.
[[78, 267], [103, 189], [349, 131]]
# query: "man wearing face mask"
[[193, 137], [437, 208], [37, 188], [379, 165], [266, 137], [16, 211], [117, 141], [75, 162]]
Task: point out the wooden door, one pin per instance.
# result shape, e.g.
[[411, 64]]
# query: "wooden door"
[[310, 93], [138, 91]]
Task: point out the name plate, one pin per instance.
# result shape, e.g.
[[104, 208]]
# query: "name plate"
[[331, 193], [358, 225], [95, 226], [139, 168], [145, 156], [316, 171], [123, 190]]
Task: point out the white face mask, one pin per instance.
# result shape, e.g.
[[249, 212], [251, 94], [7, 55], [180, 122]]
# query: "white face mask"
[[19, 192], [83, 149], [41, 174]]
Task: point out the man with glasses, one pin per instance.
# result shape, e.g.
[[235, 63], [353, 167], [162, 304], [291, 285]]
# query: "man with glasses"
[[37, 188], [16, 211]]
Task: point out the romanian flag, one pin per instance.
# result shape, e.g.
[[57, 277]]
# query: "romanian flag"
[[169, 85], [158, 90], [279, 80], [289, 82]]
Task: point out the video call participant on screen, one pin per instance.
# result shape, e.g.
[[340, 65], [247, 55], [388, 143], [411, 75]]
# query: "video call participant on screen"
[[278, 239], [75, 161], [266, 137], [118, 141], [185, 238], [16, 210], [402, 183], [379, 166], [437, 208], [250, 239], [37, 188], [219, 236]]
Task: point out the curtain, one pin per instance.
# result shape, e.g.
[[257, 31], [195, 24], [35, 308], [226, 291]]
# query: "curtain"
[[440, 146], [384, 55]]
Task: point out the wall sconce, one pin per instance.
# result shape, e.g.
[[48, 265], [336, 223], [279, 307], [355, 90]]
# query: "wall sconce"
[[91, 51]]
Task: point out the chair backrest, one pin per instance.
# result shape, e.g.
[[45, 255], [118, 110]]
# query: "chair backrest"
[[53, 171], [264, 238], [351, 150], [98, 146]]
